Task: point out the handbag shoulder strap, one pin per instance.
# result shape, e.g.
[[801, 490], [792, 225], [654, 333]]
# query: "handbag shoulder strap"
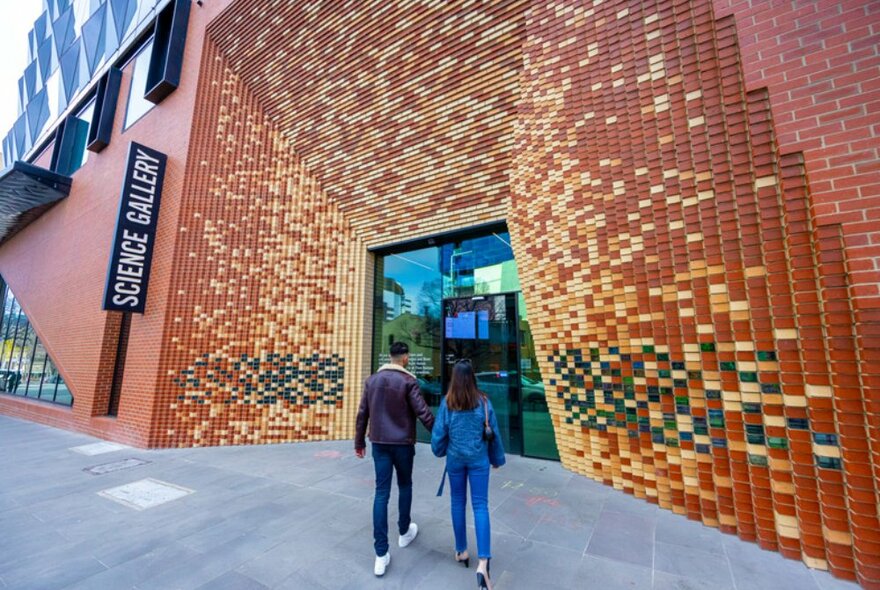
[[486, 410], [442, 483]]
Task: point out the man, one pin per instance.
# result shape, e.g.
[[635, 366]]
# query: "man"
[[390, 404]]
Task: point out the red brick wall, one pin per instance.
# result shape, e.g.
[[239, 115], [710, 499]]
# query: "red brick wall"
[[271, 271], [69, 247], [405, 110], [821, 65], [266, 284], [53, 268]]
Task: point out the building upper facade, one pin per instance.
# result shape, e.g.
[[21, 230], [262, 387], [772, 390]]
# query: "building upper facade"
[[72, 43]]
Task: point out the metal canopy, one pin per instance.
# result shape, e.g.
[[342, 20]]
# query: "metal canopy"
[[26, 192]]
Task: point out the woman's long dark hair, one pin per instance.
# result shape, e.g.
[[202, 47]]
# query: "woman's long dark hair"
[[463, 393]]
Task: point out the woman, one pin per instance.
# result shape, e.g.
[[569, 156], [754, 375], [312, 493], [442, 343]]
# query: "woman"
[[466, 433]]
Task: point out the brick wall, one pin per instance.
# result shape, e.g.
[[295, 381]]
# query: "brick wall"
[[688, 187], [821, 66], [57, 268], [404, 110], [266, 338], [695, 311], [257, 348]]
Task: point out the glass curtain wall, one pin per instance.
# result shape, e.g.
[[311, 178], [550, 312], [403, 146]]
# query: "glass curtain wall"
[[25, 367]]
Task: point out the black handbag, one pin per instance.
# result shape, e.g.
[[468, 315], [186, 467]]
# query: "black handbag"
[[488, 433]]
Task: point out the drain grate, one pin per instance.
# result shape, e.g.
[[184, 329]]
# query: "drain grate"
[[115, 466], [146, 493]]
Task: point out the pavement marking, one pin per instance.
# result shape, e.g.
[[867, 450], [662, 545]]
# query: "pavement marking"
[[146, 493], [98, 448], [115, 466], [532, 500]]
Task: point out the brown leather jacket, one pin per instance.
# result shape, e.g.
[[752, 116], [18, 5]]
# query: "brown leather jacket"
[[391, 403]]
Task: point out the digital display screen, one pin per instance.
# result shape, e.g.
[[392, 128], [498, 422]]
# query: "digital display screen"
[[483, 324], [462, 325], [468, 325]]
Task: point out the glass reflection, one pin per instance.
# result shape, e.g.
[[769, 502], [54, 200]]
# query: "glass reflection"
[[38, 368], [9, 346], [412, 291], [408, 310], [479, 266], [50, 381], [8, 304], [18, 368], [62, 393], [85, 115], [539, 439], [25, 366], [138, 106]]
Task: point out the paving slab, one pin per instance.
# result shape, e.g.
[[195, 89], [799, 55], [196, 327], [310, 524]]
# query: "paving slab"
[[710, 568], [664, 581], [609, 574], [299, 516], [676, 530], [145, 493], [623, 536]]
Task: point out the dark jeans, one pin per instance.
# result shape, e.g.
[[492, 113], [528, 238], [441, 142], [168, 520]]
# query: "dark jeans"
[[400, 458]]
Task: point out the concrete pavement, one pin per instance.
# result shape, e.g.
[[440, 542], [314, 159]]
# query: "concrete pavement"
[[79, 514]]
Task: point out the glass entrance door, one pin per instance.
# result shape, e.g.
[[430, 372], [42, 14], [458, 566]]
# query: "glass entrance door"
[[460, 297], [484, 329], [538, 437]]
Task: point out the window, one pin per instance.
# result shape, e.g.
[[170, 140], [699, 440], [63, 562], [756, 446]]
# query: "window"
[[408, 308], [25, 366], [479, 266], [69, 151], [138, 106], [86, 115]]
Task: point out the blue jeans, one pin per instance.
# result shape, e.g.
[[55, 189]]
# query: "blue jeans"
[[387, 458], [478, 475]]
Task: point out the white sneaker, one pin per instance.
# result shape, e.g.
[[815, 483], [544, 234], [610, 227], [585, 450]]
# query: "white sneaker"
[[410, 535], [381, 564]]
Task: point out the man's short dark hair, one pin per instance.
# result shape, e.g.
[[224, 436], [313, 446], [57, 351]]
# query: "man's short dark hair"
[[399, 349]]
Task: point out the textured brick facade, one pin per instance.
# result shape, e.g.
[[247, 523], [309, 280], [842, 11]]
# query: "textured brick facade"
[[689, 189], [266, 283], [697, 318]]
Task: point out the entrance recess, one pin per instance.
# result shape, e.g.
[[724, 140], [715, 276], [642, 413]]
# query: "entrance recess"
[[458, 296]]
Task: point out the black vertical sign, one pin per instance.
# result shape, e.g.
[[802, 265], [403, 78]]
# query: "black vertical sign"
[[129, 271]]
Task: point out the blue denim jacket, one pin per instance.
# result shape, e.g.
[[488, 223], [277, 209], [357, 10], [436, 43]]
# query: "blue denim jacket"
[[444, 429]]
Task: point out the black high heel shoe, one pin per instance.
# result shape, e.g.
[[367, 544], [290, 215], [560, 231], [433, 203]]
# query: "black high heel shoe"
[[466, 560], [484, 582]]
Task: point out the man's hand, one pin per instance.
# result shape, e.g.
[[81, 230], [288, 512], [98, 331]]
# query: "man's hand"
[[361, 453]]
